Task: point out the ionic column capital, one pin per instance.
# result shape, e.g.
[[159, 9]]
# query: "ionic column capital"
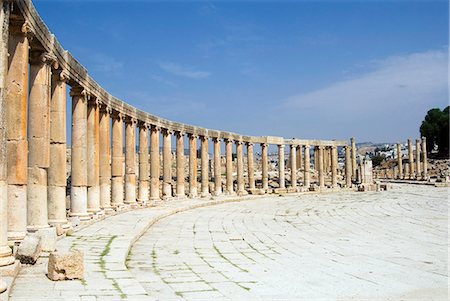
[[47, 58], [179, 133], [203, 138], [306, 146], [166, 131], [116, 115], [248, 143], [192, 136], [293, 146], [105, 108], [215, 139], [24, 28], [143, 124], [131, 120], [281, 145], [78, 91], [263, 144], [154, 128]]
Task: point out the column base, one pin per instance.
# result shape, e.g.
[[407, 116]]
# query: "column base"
[[6, 257], [3, 286], [81, 216], [16, 236], [35, 228]]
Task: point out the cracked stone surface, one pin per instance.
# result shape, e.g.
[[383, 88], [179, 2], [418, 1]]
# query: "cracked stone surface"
[[338, 246], [342, 246]]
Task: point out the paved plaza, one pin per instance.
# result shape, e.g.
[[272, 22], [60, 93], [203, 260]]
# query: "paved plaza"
[[338, 246]]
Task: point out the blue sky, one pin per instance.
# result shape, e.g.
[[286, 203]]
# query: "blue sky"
[[306, 69]]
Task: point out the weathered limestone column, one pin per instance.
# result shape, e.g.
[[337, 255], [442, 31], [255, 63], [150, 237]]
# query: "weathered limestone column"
[[154, 163], [204, 163], [250, 167], [78, 189], [334, 162], [192, 166], [130, 161], [105, 159], [167, 164], [217, 168], [281, 166], [117, 170], [6, 257], [144, 169], [348, 167], [306, 177], [353, 153], [299, 155], [180, 165], [265, 167], [240, 168], [326, 160], [321, 169], [38, 140], [399, 161], [16, 128], [418, 172], [93, 157], [411, 160], [57, 171], [316, 158], [229, 165], [293, 166], [424, 158]]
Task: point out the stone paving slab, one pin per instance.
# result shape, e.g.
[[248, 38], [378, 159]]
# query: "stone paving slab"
[[105, 245]]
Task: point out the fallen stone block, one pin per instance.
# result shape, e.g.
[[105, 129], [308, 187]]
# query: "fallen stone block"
[[48, 239], [66, 265], [29, 249]]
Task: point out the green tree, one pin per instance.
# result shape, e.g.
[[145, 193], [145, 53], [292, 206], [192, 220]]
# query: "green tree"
[[435, 127], [378, 159]]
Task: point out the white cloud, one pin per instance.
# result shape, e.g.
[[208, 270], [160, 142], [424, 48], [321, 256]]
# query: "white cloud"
[[183, 71], [396, 82]]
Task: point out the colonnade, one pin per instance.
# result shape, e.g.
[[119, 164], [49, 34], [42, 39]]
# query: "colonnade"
[[106, 137]]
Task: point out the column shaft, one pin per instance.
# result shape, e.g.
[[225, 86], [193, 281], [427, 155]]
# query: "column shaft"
[[353, 154], [250, 166], [411, 159], [299, 157], [180, 165], [167, 164], [57, 171], [229, 165], [334, 163], [424, 158], [240, 168], [192, 166], [117, 168], [281, 177], [38, 141], [93, 157], [265, 167], [418, 170], [105, 159], [130, 161], [144, 169], [293, 166], [321, 167], [16, 130], [306, 167], [217, 168], [348, 167], [155, 169], [204, 163], [399, 161]]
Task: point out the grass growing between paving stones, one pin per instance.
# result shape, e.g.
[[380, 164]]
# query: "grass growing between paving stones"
[[105, 252], [226, 259]]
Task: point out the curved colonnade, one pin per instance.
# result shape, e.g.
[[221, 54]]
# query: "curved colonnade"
[[36, 71]]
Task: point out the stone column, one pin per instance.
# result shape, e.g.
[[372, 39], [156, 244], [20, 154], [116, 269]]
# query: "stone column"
[[418, 172], [354, 165], [180, 165], [16, 128], [38, 140], [334, 163], [348, 167], [306, 166], [57, 171], [264, 167], [229, 165], [192, 166], [250, 167], [167, 164], [411, 159], [204, 163], [117, 168], [293, 166], [105, 158], [299, 155], [399, 161], [155, 171], [321, 169], [144, 169], [93, 156], [240, 168], [424, 159], [6, 257], [316, 158], [281, 166], [217, 168], [130, 161], [78, 189]]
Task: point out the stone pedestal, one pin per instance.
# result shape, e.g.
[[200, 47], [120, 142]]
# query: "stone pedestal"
[[204, 166], [154, 164], [193, 166], [144, 169], [306, 167], [167, 164], [117, 168], [130, 161], [217, 168], [180, 165]]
